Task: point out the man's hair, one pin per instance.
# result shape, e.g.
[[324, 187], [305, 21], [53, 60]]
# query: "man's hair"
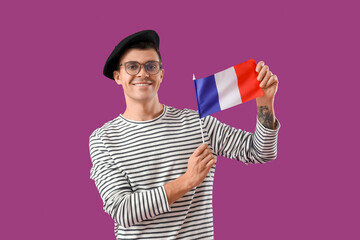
[[142, 46]]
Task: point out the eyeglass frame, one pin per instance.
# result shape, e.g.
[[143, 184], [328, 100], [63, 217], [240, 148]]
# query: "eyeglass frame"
[[141, 64]]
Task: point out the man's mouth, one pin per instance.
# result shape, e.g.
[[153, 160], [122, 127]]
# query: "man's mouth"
[[142, 84]]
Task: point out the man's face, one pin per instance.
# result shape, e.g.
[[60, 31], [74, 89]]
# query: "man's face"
[[142, 87]]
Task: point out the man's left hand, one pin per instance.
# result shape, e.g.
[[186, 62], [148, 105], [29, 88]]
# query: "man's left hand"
[[268, 81]]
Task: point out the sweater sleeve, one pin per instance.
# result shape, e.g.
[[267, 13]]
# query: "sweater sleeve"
[[257, 147], [125, 206]]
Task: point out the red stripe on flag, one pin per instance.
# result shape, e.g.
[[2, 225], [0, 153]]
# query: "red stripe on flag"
[[249, 86]]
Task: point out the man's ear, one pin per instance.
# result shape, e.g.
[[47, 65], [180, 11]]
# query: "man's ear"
[[116, 75], [162, 74]]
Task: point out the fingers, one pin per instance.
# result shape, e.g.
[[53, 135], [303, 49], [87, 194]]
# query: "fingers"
[[265, 76], [263, 72], [204, 157], [210, 163], [200, 149], [200, 163], [266, 79], [207, 157], [259, 66], [207, 152], [207, 162], [273, 80]]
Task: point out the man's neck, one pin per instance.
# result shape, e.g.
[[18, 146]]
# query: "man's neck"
[[143, 111]]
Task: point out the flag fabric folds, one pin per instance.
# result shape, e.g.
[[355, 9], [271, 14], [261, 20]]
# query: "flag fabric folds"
[[227, 88]]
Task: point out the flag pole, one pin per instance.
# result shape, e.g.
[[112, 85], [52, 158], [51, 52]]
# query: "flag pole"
[[202, 134]]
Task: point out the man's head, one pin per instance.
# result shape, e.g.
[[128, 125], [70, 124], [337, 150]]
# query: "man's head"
[[141, 40], [136, 65]]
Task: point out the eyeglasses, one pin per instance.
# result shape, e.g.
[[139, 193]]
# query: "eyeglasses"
[[133, 68]]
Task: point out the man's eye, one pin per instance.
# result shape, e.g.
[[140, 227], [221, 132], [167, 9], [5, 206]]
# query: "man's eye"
[[151, 67], [132, 66]]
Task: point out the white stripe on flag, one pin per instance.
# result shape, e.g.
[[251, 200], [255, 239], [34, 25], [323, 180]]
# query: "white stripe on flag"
[[227, 87]]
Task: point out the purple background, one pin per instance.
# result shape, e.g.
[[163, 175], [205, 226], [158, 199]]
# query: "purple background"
[[54, 95]]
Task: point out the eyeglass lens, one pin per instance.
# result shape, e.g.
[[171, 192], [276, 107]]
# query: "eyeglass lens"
[[133, 68]]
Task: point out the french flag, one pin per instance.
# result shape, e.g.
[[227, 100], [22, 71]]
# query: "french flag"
[[227, 88]]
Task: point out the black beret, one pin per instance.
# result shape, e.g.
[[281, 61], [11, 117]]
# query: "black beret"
[[142, 36]]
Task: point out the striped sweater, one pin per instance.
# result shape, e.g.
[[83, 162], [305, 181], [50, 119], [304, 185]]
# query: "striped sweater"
[[132, 161]]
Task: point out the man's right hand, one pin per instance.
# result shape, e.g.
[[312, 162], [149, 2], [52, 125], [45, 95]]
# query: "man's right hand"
[[199, 165]]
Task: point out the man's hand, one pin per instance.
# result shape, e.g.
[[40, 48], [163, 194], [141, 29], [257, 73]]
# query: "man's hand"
[[265, 104], [268, 81], [199, 165]]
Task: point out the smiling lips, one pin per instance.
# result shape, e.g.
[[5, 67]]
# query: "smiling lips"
[[142, 84]]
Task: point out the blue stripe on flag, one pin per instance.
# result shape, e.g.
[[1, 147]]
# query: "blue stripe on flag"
[[207, 96]]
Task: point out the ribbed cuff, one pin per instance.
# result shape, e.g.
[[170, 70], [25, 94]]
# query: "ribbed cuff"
[[163, 200]]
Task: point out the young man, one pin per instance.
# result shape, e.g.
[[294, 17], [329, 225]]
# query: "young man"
[[153, 173]]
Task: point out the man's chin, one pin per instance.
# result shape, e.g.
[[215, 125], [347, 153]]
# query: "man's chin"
[[143, 99]]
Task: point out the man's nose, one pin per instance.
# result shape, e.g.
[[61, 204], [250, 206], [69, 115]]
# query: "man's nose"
[[143, 72]]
